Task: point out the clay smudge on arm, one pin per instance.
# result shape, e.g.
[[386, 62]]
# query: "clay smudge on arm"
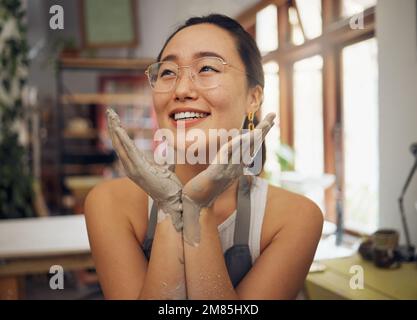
[[191, 223]]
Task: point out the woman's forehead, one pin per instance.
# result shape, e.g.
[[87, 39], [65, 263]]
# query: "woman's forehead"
[[191, 41]]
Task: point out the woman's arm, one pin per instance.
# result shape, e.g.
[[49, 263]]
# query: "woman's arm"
[[122, 268], [165, 277], [279, 272], [206, 273], [281, 269]]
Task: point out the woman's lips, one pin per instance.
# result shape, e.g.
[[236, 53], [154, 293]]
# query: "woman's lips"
[[187, 122]]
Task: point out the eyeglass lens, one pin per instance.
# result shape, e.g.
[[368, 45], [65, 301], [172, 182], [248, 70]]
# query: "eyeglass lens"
[[205, 73]]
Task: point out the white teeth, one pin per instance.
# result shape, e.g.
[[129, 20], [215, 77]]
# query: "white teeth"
[[189, 115]]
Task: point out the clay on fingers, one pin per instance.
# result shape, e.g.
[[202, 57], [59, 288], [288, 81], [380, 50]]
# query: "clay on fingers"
[[158, 182], [202, 190]]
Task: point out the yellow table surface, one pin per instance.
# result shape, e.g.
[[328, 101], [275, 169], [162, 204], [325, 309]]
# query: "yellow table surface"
[[333, 283]]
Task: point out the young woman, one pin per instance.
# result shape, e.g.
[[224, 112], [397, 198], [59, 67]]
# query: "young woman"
[[201, 231]]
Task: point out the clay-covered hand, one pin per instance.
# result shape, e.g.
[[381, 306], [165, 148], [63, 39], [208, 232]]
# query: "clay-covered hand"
[[203, 189], [160, 183]]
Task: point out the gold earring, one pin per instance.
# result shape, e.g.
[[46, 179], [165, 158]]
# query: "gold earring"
[[251, 125]]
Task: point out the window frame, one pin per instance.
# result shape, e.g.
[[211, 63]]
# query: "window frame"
[[336, 35]]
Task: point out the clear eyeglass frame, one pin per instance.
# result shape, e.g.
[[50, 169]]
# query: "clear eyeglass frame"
[[221, 65]]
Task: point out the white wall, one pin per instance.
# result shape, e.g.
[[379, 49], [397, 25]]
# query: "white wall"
[[158, 19], [397, 40]]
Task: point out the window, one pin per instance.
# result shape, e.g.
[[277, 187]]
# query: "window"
[[352, 7], [267, 29], [308, 116], [360, 129], [327, 81], [267, 40], [297, 34], [270, 104], [310, 17], [308, 124], [305, 20]]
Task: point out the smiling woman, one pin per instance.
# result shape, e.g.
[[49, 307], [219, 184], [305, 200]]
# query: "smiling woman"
[[201, 231]]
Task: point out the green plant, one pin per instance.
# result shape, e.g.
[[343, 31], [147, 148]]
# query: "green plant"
[[16, 192], [285, 157]]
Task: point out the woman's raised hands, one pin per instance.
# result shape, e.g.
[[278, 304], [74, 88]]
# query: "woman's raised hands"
[[226, 167], [160, 183], [184, 203]]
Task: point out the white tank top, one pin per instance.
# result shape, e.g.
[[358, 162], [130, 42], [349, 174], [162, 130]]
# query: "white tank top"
[[259, 190]]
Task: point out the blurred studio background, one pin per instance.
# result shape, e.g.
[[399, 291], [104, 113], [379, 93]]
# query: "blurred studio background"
[[340, 74]]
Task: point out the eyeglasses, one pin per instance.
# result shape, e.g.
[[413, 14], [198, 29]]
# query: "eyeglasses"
[[206, 73]]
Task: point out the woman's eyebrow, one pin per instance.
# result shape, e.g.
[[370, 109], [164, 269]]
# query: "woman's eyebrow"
[[201, 54]]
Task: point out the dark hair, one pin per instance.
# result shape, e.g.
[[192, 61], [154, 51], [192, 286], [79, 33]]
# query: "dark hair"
[[245, 45]]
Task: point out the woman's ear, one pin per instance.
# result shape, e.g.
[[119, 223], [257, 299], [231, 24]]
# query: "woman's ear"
[[255, 98]]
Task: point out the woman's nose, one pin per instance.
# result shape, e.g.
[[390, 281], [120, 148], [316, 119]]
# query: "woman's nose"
[[185, 86]]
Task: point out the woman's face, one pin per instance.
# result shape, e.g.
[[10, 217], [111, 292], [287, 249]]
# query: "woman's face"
[[226, 104]]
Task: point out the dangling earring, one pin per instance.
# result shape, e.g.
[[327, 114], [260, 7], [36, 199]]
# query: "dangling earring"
[[252, 169], [251, 125]]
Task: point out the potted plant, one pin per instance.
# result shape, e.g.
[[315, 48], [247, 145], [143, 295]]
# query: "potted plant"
[[16, 193], [285, 156]]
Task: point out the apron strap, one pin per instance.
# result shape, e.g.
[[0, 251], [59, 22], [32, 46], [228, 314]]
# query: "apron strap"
[[242, 225], [153, 219]]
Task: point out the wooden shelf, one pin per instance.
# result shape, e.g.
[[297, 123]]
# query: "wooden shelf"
[[103, 98], [89, 169], [81, 185], [76, 143], [105, 63], [88, 134]]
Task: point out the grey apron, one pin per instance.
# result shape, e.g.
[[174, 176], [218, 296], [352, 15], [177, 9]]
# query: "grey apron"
[[238, 258]]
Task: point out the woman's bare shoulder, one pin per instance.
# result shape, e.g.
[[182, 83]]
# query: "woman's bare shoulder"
[[119, 191], [119, 201], [289, 203], [288, 209]]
